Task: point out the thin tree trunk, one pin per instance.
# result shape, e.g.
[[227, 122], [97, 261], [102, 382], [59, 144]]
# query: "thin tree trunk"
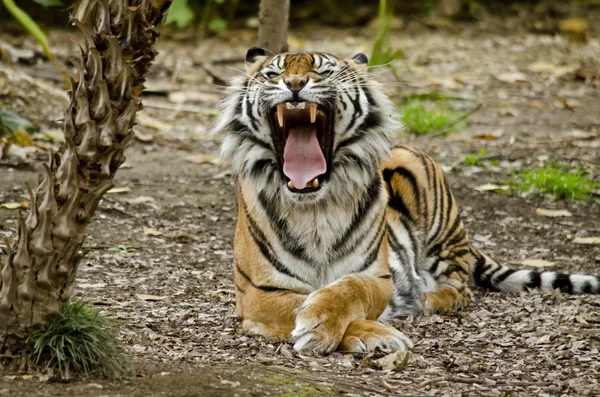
[[272, 30], [117, 39]]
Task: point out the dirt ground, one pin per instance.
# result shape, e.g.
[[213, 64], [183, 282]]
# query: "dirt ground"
[[172, 293]]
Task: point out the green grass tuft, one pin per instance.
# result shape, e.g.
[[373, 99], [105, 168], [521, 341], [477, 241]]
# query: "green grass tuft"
[[555, 179], [80, 341], [421, 118]]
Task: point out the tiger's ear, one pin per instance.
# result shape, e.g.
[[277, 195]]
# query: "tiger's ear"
[[360, 59], [253, 54]]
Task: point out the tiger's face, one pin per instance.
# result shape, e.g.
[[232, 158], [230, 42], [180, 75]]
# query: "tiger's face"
[[306, 125]]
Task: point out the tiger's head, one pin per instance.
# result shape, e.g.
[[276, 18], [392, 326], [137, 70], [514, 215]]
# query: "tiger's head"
[[305, 126]]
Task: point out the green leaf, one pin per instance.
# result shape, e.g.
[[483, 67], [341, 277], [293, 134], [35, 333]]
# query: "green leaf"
[[181, 14], [11, 122], [49, 3], [29, 24], [217, 25]]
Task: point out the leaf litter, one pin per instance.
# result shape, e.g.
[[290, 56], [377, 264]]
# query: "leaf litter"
[[538, 343]]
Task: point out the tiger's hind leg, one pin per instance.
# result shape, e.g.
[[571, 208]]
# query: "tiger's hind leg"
[[420, 196], [451, 292]]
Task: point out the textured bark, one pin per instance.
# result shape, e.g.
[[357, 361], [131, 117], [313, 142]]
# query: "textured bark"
[[273, 28], [116, 42]]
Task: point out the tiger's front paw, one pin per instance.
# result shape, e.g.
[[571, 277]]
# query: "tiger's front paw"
[[319, 326], [365, 336]]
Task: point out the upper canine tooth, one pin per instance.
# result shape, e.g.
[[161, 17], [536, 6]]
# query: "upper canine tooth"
[[280, 116], [289, 105], [313, 114], [301, 105]]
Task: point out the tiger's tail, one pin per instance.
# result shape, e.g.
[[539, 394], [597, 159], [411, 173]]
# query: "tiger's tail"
[[488, 274]]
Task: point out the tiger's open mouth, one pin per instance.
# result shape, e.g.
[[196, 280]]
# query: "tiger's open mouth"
[[303, 137]]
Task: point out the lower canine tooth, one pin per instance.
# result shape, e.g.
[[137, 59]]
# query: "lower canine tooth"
[[290, 185], [315, 183], [280, 116], [313, 114]]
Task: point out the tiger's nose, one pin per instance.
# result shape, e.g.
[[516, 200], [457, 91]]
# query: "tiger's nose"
[[295, 82]]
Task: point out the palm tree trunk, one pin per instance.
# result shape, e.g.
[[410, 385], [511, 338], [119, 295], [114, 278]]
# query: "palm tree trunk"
[[117, 39]]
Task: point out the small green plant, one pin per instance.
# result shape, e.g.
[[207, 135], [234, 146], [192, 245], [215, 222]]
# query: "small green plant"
[[381, 56], [80, 341], [421, 118], [555, 179], [475, 159], [121, 249]]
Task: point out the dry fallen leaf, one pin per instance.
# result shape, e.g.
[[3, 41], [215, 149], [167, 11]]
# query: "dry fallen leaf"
[[491, 187], [119, 190], [577, 28], [140, 200], [549, 68], [144, 119], [511, 77], [396, 361], [152, 232], [587, 240], [202, 159], [15, 206], [537, 263], [153, 298], [552, 213]]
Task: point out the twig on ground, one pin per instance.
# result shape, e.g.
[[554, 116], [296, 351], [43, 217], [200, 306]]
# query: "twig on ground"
[[481, 381], [465, 116]]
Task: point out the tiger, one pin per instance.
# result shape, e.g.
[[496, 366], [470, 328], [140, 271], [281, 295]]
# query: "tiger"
[[338, 230]]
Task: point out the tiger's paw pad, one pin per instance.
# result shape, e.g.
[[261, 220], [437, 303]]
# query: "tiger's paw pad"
[[365, 336]]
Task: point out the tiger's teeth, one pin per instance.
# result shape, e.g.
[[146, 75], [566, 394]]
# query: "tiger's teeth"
[[290, 185], [280, 116], [289, 105], [301, 105], [313, 114], [315, 183]]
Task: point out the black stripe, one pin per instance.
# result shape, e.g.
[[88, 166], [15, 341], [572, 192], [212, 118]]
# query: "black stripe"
[[535, 280], [501, 277], [386, 276], [267, 250], [266, 288], [478, 269], [563, 283], [258, 168], [280, 226], [461, 252], [369, 198], [357, 136], [253, 120], [434, 266], [395, 200], [398, 248], [436, 207], [240, 289], [372, 256]]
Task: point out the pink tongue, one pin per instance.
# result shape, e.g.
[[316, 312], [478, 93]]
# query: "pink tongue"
[[303, 159]]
